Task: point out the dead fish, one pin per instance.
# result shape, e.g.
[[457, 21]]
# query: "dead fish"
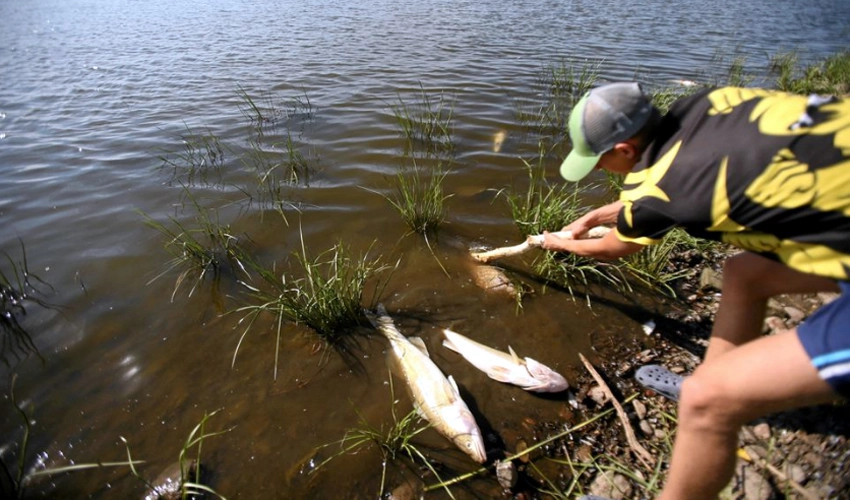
[[499, 140], [527, 373], [435, 397], [492, 279]]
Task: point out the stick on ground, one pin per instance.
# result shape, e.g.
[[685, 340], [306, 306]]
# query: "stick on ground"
[[637, 448]]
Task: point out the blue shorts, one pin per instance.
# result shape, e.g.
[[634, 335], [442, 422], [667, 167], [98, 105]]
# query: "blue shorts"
[[825, 336]]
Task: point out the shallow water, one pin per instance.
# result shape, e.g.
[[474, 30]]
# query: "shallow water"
[[93, 94]]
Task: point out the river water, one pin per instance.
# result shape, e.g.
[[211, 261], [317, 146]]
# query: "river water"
[[95, 94]]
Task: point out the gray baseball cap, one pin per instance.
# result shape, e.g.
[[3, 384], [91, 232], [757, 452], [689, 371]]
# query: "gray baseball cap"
[[603, 117]]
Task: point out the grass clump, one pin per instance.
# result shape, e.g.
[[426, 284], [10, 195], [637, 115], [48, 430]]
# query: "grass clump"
[[201, 160], [828, 76], [274, 169], [266, 113], [327, 297], [208, 248], [419, 196], [428, 122], [549, 207], [561, 86]]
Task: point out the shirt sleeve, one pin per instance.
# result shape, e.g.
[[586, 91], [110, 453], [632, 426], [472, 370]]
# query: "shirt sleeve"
[[639, 223]]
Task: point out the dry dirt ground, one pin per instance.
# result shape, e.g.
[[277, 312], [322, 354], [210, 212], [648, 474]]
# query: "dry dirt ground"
[[797, 454]]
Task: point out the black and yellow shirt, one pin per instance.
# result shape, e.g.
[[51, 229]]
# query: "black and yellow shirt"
[[763, 170]]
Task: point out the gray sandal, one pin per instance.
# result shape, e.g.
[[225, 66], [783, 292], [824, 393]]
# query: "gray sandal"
[[660, 380]]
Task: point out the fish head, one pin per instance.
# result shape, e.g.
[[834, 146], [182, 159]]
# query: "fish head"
[[546, 379], [465, 433], [472, 444]]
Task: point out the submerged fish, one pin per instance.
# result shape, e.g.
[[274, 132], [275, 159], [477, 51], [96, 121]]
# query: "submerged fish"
[[435, 397], [499, 140], [506, 367], [493, 280]]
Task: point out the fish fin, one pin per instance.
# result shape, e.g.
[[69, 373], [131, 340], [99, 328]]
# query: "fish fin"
[[535, 367], [514, 356], [419, 344], [447, 343], [501, 374], [551, 381], [454, 385]]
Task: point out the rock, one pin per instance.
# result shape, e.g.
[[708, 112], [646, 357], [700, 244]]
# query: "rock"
[[815, 460], [506, 474], [521, 446], [410, 489], [646, 428], [597, 395], [762, 431], [640, 409], [710, 279], [611, 485], [584, 454], [773, 324], [794, 314], [755, 486], [796, 473]]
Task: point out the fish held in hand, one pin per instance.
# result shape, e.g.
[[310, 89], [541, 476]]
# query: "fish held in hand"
[[435, 397], [527, 373]]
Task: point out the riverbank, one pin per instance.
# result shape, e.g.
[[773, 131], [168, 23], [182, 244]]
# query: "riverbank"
[[797, 454]]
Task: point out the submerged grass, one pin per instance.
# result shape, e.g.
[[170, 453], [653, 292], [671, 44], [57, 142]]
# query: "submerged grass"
[[190, 484], [17, 287], [274, 170], [15, 478], [394, 442], [328, 297], [560, 87], [201, 160], [428, 122], [207, 248], [266, 112]]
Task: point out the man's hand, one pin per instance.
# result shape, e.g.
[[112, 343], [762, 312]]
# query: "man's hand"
[[555, 243]]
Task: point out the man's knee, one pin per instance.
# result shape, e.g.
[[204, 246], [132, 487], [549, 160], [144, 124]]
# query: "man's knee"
[[706, 404]]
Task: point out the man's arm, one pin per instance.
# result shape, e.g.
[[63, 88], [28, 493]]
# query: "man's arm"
[[608, 248], [603, 215]]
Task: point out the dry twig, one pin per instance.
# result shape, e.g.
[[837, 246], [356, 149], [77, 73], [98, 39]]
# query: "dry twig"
[[638, 449]]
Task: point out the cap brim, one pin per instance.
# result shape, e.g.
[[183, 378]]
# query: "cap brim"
[[575, 167]]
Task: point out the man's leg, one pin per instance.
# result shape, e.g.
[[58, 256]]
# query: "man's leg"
[[749, 280], [761, 377]]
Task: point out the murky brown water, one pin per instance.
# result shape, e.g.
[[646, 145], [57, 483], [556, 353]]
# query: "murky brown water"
[[94, 93]]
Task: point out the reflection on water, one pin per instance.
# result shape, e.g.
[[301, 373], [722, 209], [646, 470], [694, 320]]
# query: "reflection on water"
[[96, 93]]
